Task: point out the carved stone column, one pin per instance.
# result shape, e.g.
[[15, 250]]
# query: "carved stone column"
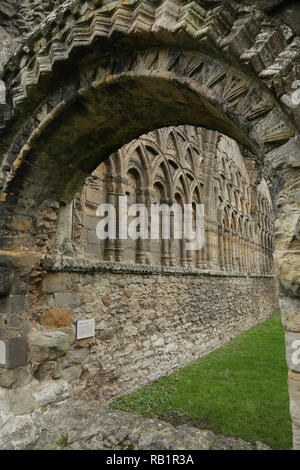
[[221, 248], [248, 255], [287, 265], [211, 237], [121, 186], [235, 252], [167, 257], [110, 246], [141, 248], [228, 254]]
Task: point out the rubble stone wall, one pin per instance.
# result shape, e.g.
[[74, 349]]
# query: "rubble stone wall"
[[149, 322]]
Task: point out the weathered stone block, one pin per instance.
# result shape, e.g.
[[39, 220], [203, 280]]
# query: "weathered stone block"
[[106, 299], [64, 299], [296, 437], [22, 261], [94, 196], [294, 391], [72, 373], [5, 408], [54, 282], [19, 286], [159, 343], [75, 356], [18, 433], [128, 293], [47, 370], [290, 313], [12, 304], [292, 342], [48, 345], [12, 378], [70, 332], [287, 265], [22, 402], [14, 352], [57, 318], [15, 322], [58, 371], [51, 392]]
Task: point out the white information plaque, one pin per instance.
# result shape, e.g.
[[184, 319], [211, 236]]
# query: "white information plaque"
[[2, 353], [85, 329]]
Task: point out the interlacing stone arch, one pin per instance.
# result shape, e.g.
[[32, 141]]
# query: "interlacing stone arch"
[[96, 75]]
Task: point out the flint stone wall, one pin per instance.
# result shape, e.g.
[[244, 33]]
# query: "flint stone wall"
[[149, 322]]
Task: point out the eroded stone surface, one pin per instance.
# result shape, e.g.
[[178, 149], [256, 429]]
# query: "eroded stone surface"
[[292, 341], [222, 66], [50, 392], [81, 425], [48, 345], [19, 432], [294, 391]]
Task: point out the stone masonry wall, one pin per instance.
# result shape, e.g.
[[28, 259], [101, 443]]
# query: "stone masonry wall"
[[148, 324]]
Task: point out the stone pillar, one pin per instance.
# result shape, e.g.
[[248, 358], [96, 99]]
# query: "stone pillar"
[[184, 259], [209, 142], [256, 258], [189, 254], [227, 245], [240, 253], [141, 251], [221, 249], [286, 168], [248, 255], [202, 254], [110, 246], [235, 252], [121, 185], [270, 261], [211, 237], [166, 246]]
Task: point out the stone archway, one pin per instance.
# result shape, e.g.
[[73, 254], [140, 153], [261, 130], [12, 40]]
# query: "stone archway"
[[94, 75]]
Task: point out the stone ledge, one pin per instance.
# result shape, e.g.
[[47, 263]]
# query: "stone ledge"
[[76, 425], [83, 265]]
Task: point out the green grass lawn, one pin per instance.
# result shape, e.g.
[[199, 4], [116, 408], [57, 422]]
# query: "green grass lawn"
[[239, 390]]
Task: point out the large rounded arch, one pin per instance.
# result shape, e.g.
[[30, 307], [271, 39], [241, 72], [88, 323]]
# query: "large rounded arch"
[[82, 87]]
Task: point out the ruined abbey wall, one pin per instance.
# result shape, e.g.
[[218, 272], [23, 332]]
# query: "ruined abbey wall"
[[156, 306], [148, 323], [169, 167], [80, 83]]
